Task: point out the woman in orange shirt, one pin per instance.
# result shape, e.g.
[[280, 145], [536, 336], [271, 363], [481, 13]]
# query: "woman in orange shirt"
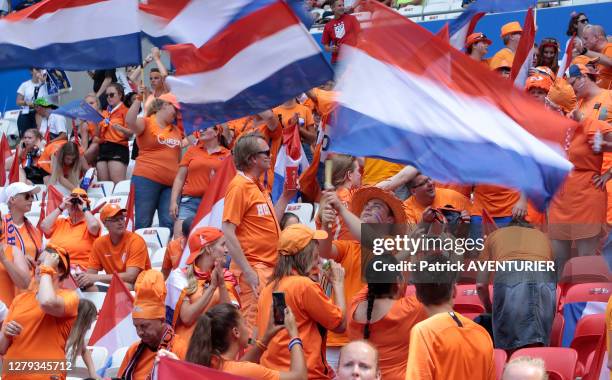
[[17, 229], [196, 169], [206, 285], [379, 311], [114, 151], [221, 334], [39, 321], [159, 148]]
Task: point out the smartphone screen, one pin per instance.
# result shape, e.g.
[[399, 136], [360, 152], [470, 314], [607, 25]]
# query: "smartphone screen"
[[278, 307]]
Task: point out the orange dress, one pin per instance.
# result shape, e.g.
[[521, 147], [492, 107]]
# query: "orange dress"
[[578, 210]]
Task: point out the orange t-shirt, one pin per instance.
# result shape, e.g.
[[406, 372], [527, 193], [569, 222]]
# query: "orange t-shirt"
[[187, 331], [250, 208], [7, 287], [349, 256], [46, 157], [376, 170], [285, 114], [201, 167], [392, 347], [249, 370], [326, 101], [441, 349], [497, 200], [114, 117], [173, 254], [443, 197], [159, 152], [503, 54], [604, 80], [74, 238], [466, 190], [130, 252], [43, 336], [312, 310], [517, 243], [145, 363]]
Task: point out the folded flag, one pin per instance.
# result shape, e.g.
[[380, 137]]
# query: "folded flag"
[[71, 34], [79, 109], [463, 123], [248, 56]]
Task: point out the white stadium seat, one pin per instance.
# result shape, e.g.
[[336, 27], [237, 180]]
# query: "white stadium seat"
[[411, 10], [117, 358], [96, 297], [122, 188], [155, 237], [157, 257], [102, 188], [119, 199], [302, 210], [98, 355], [440, 7]]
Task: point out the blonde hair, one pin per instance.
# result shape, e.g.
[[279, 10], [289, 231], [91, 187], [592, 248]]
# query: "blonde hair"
[[192, 280], [527, 361], [342, 164], [57, 165]]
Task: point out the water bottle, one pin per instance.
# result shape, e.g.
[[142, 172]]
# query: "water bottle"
[[597, 141], [87, 179]]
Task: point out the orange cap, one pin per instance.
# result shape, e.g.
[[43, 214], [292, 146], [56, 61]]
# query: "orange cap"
[[500, 64], [170, 98], [562, 94], [150, 295], [584, 60], [539, 81], [79, 191], [61, 253], [580, 69], [511, 27], [297, 236], [200, 238], [110, 210], [476, 37]]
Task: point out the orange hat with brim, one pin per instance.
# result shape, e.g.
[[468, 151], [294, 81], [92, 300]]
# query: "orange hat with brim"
[[110, 210], [296, 237], [501, 64], [150, 295], [584, 60], [511, 27], [477, 37], [62, 253], [365, 194], [200, 238], [539, 81], [562, 94], [170, 98], [579, 69]]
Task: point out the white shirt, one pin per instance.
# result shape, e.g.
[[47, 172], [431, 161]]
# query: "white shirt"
[[27, 90], [56, 124]]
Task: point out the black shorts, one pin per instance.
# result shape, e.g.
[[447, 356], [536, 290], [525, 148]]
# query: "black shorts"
[[110, 151]]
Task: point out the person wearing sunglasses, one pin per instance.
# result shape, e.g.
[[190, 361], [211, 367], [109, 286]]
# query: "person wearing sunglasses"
[[114, 152], [576, 25], [17, 229], [76, 232], [596, 45]]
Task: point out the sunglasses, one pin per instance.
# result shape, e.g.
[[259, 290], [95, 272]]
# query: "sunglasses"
[[584, 21], [27, 196], [264, 152], [111, 95]]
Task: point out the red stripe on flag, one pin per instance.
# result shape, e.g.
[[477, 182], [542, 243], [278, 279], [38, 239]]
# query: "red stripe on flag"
[[48, 6], [165, 9], [525, 44], [177, 369], [129, 206], [216, 190], [118, 304], [232, 40], [14, 172]]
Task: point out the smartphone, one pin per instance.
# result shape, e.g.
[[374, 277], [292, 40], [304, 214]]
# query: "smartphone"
[[278, 307]]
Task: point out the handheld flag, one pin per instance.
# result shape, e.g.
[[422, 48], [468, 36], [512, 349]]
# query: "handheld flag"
[[524, 52], [79, 109]]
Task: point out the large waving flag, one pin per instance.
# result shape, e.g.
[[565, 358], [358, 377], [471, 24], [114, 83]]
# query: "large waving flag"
[[178, 369], [210, 213], [71, 35], [114, 328], [291, 156], [248, 55], [462, 124], [524, 52], [80, 109], [464, 25]]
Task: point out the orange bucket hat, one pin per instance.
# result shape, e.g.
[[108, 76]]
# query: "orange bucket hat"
[[150, 295], [364, 194], [511, 27]]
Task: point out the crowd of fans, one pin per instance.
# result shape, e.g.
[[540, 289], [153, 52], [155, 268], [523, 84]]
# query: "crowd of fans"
[[340, 317]]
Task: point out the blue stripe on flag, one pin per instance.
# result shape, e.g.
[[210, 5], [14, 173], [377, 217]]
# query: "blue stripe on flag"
[[573, 312]]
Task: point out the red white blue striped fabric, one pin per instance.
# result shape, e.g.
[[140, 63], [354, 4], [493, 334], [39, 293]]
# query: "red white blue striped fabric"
[[414, 99], [71, 35]]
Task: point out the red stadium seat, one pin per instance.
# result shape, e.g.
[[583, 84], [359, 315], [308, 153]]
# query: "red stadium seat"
[[467, 300], [589, 292], [561, 360], [500, 361], [588, 331], [556, 333], [579, 270]]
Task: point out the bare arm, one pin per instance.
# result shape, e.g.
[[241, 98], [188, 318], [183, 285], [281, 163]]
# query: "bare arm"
[[308, 133], [129, 276], [92, 223], [89, 363], [328, 216], [20, 101], [105, 83], [133, 122], [158, 62], [603, 59], [338, 291], [404, 176], [47, 224], [270, 119], [48, 299], [190, 312], [177, 189]]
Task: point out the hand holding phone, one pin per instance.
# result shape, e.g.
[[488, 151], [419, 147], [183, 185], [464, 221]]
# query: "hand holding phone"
[[278, 307]]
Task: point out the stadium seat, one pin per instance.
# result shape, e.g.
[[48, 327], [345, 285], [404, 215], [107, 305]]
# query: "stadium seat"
[[439, 7], [500, 361], [96, 297], [155, 222], [101, 189], [157, 257], [98, 355], [155, 237], [556, 333], [589, 292], [583, 269], [467, 301], [411, 10], [588, 331], [557, 359], [120, 199], [304, 211], [116, 360], [122, 188]]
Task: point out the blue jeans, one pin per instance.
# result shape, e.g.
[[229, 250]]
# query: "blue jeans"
[[151, 196], [188, 207], [476, 224], [607, 251]]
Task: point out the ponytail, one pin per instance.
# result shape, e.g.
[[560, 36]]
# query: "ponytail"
[[200, 346], [371, 298]]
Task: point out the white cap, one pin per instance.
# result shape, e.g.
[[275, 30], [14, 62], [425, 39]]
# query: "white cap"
[[19, 188]]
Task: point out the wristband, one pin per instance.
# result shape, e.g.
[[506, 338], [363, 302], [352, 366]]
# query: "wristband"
[[295, 341], [44, 269], [260, 345]]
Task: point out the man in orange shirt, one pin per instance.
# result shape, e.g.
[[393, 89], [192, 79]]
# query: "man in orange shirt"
[[119, 251], [597, 46], [305, 121], [76, 233], [447, 345], [149, 316], [250, 221], [477, 46], [511, 34]]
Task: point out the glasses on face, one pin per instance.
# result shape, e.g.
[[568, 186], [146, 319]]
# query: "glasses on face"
[[27, 196], [584, 21], [426, 181], [264, 152], [110, 95]]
